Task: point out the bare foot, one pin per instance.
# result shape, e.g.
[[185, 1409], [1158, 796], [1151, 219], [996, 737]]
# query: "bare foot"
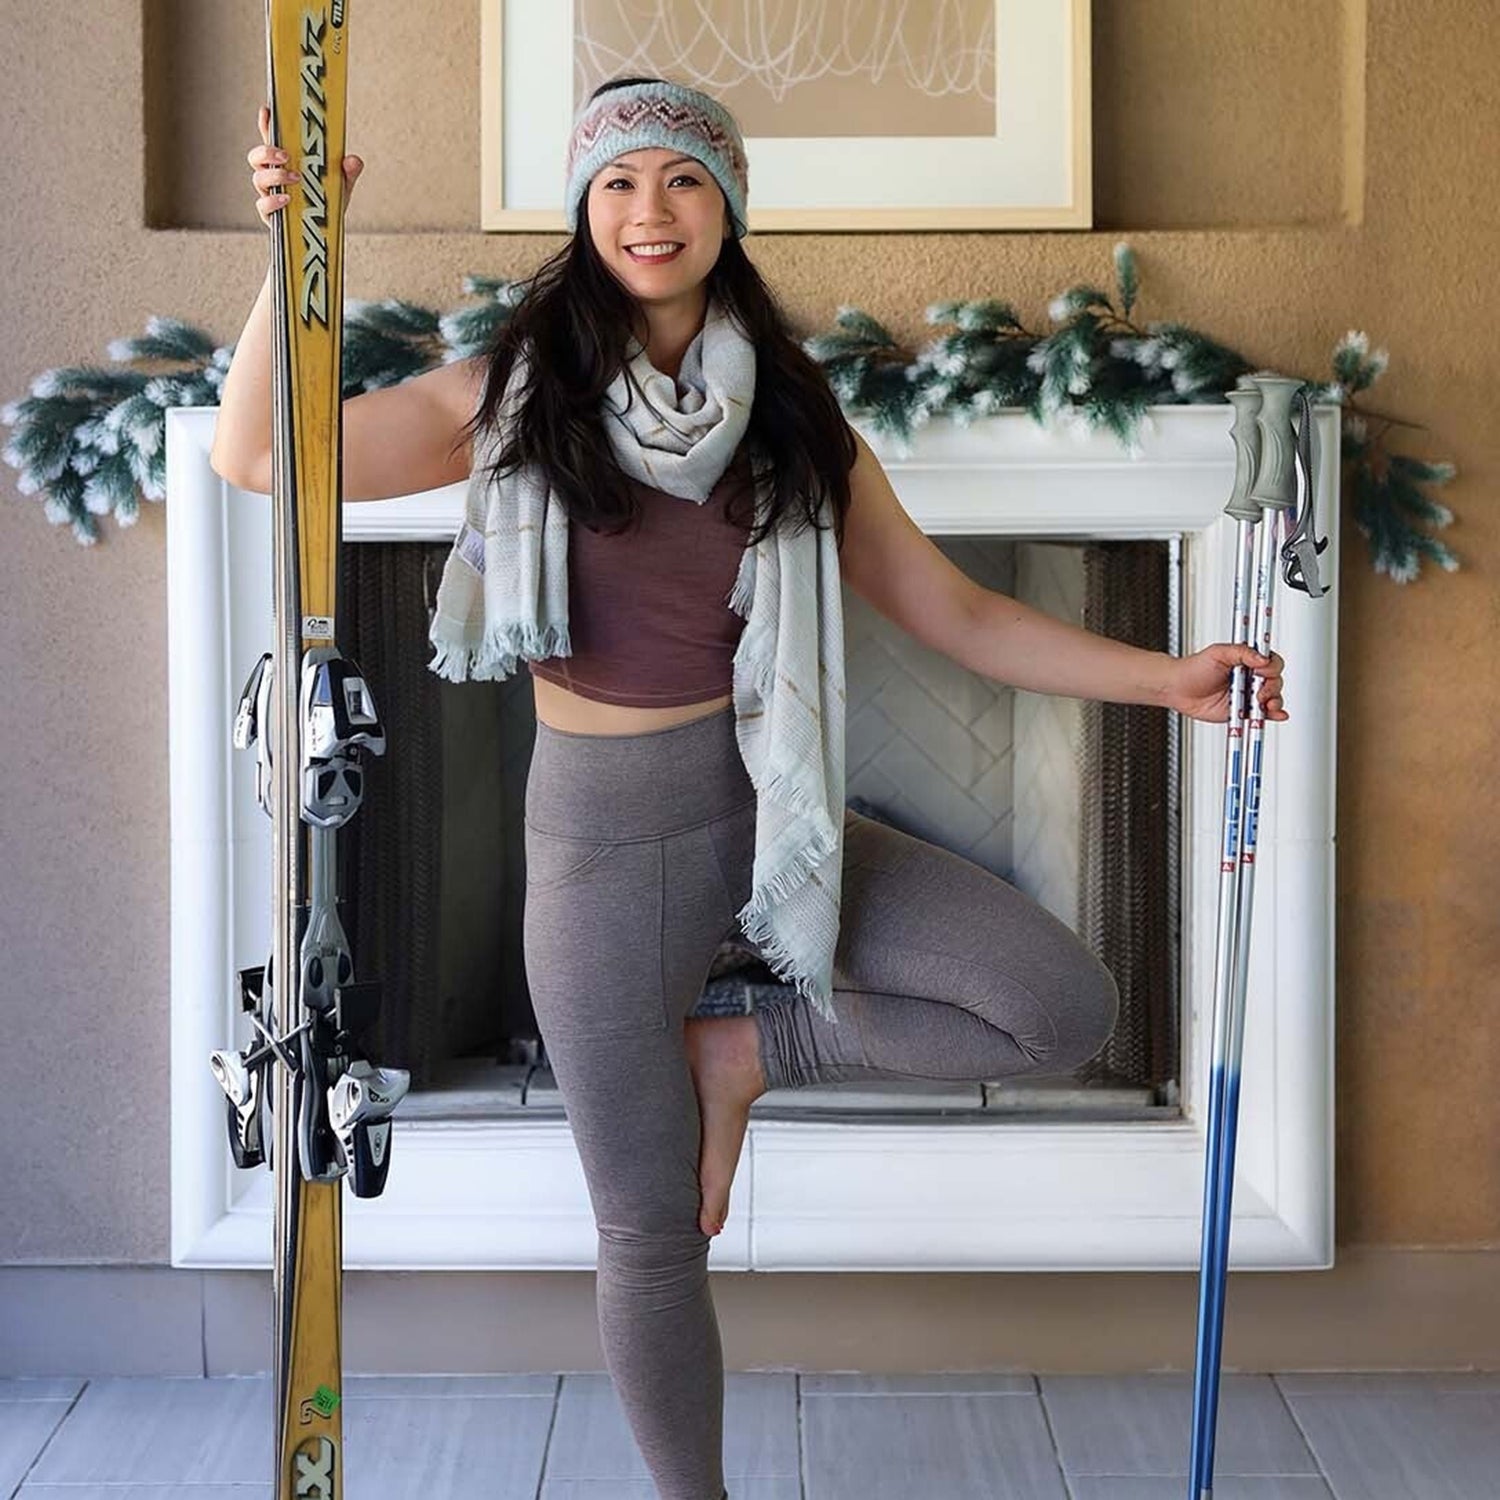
[[723, 1054]]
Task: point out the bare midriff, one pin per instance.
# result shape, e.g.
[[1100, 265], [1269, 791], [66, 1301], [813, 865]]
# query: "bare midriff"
[[572, 713]]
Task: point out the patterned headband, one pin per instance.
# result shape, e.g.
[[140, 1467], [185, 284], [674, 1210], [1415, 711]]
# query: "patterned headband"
[[657, 114]]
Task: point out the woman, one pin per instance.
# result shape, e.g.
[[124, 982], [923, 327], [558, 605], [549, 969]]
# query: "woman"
[[687, 674]]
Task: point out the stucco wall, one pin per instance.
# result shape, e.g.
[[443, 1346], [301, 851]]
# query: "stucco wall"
[[1285, 172]]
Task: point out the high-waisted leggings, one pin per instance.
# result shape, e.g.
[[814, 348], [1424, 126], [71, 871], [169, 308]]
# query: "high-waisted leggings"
[[639, 850]]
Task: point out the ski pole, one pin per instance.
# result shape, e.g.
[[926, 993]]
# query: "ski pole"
[[1267, 452], [1246, 512]]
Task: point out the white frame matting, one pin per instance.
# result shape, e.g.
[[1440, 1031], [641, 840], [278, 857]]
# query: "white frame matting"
[[810, 1194], [1033, 169]]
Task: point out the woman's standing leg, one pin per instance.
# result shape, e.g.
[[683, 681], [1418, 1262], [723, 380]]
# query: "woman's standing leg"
[[621, 925]]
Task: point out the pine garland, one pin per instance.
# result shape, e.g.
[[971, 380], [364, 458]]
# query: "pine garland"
[[91, 440]]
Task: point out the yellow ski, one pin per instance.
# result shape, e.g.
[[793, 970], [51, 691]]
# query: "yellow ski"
[[303, 1096]]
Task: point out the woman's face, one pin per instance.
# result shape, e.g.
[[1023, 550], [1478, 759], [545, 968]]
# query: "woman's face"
[[649, 197]]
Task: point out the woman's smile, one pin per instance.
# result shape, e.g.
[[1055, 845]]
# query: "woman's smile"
[[643, 253]]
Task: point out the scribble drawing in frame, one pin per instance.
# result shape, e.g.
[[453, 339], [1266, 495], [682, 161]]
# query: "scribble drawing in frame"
[[970, 115]]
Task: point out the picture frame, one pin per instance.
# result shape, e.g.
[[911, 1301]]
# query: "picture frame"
[[995, 95]]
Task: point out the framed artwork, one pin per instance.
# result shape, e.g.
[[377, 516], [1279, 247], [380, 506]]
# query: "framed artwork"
[[969, 114]]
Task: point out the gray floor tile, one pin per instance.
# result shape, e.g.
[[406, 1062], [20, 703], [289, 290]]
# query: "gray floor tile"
[[458, 1447], [599, 1489], [592, 1442], [763, 1487], [146, 1492], [1436, 1445], [410, 1387], [40, 1388], [1142, 1424], [590, 1437], [162, 1431], [941, 1447], [643, 1489], [1389, 1382], [25, 1429], [1232, 1487], [760, 1430], [970, 1382]]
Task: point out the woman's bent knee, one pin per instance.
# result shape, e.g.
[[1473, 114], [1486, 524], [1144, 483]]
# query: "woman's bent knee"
[[1087, 1020]]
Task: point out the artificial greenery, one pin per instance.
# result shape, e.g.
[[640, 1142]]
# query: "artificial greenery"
[[92, 440]]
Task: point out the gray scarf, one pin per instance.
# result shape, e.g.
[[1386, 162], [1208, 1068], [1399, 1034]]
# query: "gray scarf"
[[504, 596]]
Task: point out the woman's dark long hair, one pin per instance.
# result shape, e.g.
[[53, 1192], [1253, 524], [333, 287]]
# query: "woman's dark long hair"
[[577, 323]]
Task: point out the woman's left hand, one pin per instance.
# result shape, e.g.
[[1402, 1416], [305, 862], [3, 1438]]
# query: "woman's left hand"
[[1199, 685]]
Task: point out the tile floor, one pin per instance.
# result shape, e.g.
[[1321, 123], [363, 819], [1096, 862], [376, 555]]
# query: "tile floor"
[[787, 1437]]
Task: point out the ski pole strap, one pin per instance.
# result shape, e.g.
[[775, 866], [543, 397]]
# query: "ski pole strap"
[[1300, 550]]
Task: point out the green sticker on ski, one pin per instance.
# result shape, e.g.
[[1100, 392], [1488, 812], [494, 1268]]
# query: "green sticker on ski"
[[325, 1401]]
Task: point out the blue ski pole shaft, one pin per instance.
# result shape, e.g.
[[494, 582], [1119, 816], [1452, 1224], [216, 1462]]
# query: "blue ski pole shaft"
[[1213, 1254]]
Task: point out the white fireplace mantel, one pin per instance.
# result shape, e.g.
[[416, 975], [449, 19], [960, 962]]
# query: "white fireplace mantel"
[[1006, 1194]]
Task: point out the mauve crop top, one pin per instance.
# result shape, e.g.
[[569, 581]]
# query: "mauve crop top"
[[646, 609]]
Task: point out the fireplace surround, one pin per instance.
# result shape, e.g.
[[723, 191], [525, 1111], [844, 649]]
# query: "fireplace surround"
[[818, 1193]]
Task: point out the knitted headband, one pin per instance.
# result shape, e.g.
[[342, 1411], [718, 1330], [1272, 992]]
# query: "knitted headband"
[[657, 114]]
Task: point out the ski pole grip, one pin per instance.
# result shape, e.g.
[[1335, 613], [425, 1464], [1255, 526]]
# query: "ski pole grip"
[[1275, 484], [1246, 434]]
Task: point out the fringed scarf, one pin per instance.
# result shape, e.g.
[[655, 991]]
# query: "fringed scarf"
[[504, 596]]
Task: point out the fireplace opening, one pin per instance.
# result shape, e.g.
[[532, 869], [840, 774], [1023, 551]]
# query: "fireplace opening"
[[1078, 804]]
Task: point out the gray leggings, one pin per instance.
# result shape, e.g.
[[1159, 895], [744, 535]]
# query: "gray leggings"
[[638, 855]]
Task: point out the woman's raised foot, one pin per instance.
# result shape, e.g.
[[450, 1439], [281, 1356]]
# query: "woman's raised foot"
[[724, 1056]]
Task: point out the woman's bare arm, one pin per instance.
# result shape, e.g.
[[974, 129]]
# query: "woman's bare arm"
[[398, 440]]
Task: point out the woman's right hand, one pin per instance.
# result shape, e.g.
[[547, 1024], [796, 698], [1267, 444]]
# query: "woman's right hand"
[[271, 171]]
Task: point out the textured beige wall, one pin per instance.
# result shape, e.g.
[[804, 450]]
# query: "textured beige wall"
[[1283, 177]]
